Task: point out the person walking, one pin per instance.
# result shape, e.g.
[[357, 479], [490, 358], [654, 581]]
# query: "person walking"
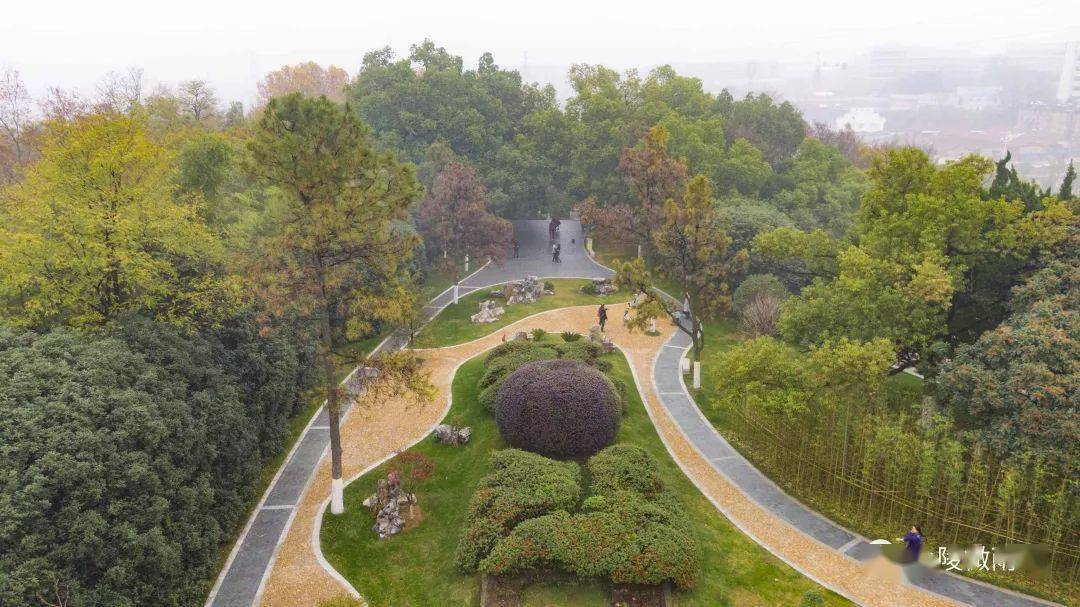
[[517, 247], [554, 253], [558, 252], [601, 315], [914, 540]]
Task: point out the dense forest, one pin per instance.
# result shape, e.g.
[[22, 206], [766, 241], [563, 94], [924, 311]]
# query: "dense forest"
[[178, 275]]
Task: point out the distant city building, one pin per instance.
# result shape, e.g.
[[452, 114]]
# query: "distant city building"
[[976, 97], [1069, 83], [861, 120]]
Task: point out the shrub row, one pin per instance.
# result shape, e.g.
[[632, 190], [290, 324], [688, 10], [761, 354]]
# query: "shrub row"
[[628, 532], [522, 485]]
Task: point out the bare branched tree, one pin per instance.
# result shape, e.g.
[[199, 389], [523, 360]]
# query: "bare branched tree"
[[121, 92], [15, 115], [63, 104], [197, 99]]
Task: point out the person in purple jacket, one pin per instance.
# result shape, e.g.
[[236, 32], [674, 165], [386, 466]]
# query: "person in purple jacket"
[[914, 540]]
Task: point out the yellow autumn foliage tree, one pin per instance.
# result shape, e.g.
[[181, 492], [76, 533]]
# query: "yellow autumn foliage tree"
[[94, 229]]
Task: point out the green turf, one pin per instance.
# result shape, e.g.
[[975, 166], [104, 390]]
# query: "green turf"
[[452, 325], [416, 568]]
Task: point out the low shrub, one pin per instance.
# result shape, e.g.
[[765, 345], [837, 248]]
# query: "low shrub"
[[500, 367], [549, 286], [588, 288], [558, 408], [570, 336], [811, 599], [522, 486], [626, 540], [538, 334], [625, 467]]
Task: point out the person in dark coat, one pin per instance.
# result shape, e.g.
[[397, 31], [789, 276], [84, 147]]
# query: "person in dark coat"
[[558, 251], [914, 541], [517, 247], [601, 314]]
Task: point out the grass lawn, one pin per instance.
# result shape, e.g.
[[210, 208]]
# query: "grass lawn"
[[416, 568], [452, 325]]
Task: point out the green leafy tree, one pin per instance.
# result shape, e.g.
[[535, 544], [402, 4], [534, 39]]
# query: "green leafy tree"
[[744, 170], [336, 254], [1017, 384], [1066, 191]]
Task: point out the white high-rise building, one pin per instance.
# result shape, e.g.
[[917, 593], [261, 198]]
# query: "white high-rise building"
[[1069, 84]]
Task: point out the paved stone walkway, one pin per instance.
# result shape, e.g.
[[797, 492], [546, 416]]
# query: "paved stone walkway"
[[243, 578], [733, 468]]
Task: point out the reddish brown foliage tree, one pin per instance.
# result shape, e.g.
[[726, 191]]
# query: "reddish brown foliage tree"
[[654, 177], [455, 218], [309, 79]]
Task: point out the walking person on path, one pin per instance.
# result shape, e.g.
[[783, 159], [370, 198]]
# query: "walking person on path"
[[554, 253], [558, 252], [601, 314], [517, 247], [914, 540]]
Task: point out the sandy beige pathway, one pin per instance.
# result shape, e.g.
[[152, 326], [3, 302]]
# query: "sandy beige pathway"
[[375, 430]]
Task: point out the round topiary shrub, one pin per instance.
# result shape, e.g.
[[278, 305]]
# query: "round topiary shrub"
[[755, 286], [558, 408]]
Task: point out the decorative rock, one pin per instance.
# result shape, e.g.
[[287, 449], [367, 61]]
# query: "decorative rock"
[[604, 286], [522, 335], [524, 291], [356, 384], [597, 337], [445, 434], [489, 312], [388, 501]]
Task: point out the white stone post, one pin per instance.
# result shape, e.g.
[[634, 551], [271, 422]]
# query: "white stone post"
[[639, 250], [466, 265], [455, 293], [697, 375]]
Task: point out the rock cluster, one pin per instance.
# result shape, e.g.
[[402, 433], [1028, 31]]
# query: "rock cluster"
[[597, 337], [489, 312], [445, 434], [392, 505], [527, 290], [604, 286]]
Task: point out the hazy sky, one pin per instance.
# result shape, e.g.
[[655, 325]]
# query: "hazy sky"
[[232, 43]]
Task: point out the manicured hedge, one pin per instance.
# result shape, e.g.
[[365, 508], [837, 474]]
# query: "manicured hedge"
[[628, 540], [625, 467], [497, 368], [558, 408], [522, 485]]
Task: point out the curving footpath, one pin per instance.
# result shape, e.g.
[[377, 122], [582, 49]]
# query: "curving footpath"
[[278, 560], [242, 582], [786, 527]]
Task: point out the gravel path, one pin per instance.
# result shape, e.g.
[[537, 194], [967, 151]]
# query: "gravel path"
[[243, 579]]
